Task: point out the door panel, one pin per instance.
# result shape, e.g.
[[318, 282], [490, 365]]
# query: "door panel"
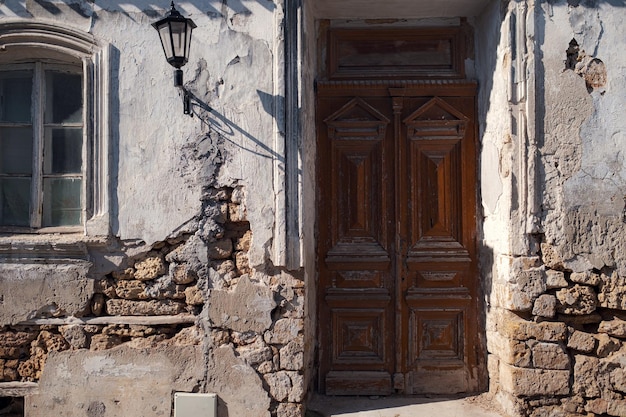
[[397, 252], [358, 312]]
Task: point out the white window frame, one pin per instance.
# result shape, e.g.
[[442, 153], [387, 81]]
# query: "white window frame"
[[32, 42]]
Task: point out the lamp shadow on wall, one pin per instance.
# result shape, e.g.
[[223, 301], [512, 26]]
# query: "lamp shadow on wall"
[[228, 129]]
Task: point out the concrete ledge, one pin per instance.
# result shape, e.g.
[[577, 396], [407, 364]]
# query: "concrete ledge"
[[18, 389]]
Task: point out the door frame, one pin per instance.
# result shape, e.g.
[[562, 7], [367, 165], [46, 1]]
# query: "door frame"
[[398, 87]]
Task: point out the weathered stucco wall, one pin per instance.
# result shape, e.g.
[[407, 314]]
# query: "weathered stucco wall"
[[197, 273], [556, 318], [189, 291]]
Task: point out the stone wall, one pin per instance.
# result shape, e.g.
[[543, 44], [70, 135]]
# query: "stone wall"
[[188, 289], [194, 290], [556, 316]]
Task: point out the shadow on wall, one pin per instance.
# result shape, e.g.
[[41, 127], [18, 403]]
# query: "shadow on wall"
[[226, 128], [114, 130], [151, 8]]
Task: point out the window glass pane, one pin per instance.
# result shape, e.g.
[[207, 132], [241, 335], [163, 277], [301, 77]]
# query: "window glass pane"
[[62, 151], [16, 89], [16, 150], [64, 97], [14, 201], [62, 202]]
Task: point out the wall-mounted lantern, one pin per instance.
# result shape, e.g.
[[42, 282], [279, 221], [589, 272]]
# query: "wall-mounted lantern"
[[175, 33]]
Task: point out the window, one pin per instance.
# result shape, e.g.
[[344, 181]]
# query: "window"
[[53, 130], [41, 146]]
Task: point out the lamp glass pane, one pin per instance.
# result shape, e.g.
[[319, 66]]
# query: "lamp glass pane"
[[188, 40], [164, 33], [178, 38]]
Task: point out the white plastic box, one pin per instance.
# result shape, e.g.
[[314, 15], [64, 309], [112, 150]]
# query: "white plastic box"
[[187, 404]]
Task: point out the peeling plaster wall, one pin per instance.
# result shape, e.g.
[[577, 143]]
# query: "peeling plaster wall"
[[198, 221], [553, 200], [232, 41], [585, 137]]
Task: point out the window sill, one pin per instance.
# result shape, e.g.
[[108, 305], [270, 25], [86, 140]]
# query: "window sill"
[[50, 245]]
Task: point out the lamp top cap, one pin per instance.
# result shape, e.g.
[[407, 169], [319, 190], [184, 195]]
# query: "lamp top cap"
[[174, 15]]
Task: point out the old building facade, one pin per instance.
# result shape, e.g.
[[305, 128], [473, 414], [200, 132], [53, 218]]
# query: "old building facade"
[[370, 199]]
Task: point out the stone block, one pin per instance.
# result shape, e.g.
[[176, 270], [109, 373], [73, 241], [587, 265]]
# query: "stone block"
[[529, 284], [292, 355], [615, 328], [128, 273], [120, 307], [612, 292], [511, 351], [221, 249], [255, 353], [297, 387], [284, 331], [545, 306], [515, 327], [576, 300], [525, 382], [242, 262], [75, 335], [193, 253], [585, 278], [247, 307], [243, 243], [550, 356], [493, 369], [151, 267], [193, 296], [279, 385], [581, 341], [555, 279], [616, 408], [551, 257], [44, 290], [181, 274], [586, 374], [606, 345], [290, 410], [236, 212], [130, 290], [618, 379], [596, 406], [104, 342]]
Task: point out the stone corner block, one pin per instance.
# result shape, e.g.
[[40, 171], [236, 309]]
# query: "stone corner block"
[[525, 382], [246, 308]]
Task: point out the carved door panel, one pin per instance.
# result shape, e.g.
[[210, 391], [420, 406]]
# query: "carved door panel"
[[396, 254]]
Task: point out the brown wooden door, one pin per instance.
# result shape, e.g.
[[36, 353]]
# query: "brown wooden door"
[[398, 283]]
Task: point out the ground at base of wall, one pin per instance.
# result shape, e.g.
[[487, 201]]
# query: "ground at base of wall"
[[472, 406]]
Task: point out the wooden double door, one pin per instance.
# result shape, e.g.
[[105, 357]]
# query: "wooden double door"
[[398, 283]]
